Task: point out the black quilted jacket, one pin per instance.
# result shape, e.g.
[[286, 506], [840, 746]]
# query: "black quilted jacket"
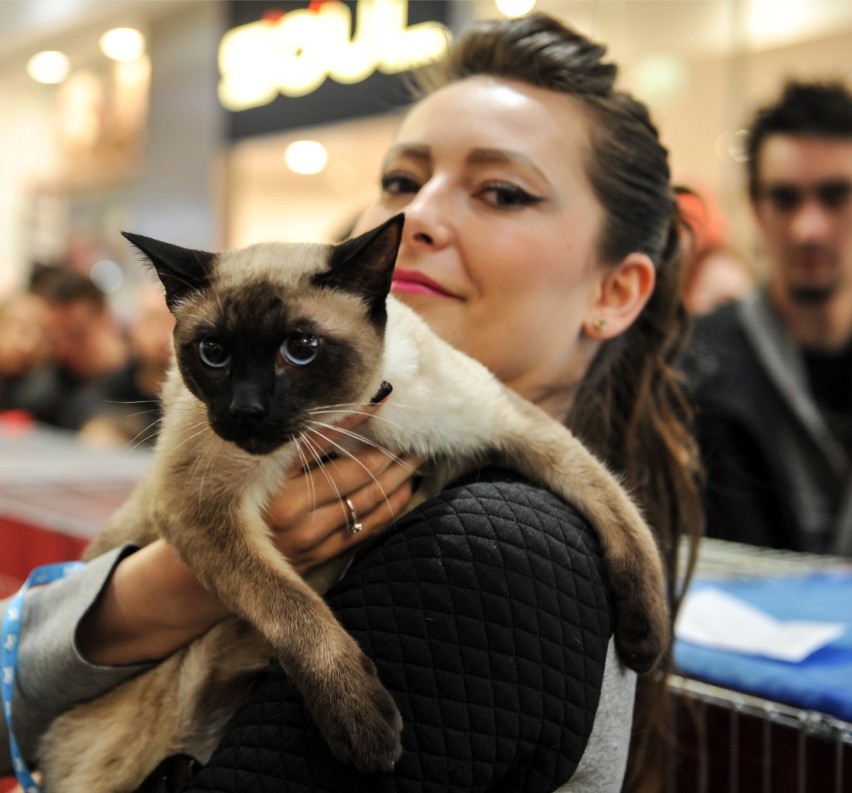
[[487, 615]]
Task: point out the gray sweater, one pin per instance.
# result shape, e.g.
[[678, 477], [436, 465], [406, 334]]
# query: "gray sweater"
[[52, 675]]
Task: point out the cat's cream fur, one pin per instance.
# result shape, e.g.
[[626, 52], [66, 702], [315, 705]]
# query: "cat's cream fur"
[[207, 497]]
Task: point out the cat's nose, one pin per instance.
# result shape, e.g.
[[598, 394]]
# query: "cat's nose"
[[247, 403], [247, 410]]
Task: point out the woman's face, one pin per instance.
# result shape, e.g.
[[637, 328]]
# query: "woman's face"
[[499, 250]]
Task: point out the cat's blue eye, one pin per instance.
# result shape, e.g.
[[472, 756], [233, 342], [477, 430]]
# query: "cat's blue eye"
[[300, 349], [213, 354]]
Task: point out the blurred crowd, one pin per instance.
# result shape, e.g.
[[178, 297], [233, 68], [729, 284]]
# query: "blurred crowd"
[[66, 360]]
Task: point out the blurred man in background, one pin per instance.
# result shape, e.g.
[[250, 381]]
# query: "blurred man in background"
[[88, 344], [773, 372]]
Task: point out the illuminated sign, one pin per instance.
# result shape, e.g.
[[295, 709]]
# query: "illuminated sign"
[[293, 53]]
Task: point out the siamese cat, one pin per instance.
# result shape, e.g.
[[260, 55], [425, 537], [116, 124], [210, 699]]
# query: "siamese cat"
[[271, 342]]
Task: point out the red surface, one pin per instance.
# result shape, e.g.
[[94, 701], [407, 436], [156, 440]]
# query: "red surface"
[[55, 494], [26, 547]]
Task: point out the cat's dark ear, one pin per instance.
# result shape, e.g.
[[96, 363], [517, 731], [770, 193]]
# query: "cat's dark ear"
[[364, 265], [182, 270]]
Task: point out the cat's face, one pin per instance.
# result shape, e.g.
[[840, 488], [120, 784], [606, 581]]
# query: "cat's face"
[[276, 336]]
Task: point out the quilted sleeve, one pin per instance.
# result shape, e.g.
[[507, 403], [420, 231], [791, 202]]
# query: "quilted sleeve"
[[487, 615]]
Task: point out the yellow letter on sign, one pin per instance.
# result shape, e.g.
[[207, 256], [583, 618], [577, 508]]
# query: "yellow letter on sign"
[[294, 54]]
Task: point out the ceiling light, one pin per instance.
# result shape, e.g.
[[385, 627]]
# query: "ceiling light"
[[122, 44], [306, 156], [514, 8], [660, 78], [49, 67], [107, 275]]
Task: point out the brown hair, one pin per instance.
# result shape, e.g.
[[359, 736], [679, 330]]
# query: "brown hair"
[[817, 109], [630, 407], [62, 287]]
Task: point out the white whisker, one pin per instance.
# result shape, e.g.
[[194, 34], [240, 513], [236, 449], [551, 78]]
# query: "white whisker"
[[314, 449], [351, 456], [354, 435], [192, 433], [305, 466], [372, 416], [145, 435]]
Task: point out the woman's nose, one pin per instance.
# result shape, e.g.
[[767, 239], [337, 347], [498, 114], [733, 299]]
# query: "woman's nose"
[[428, 220]]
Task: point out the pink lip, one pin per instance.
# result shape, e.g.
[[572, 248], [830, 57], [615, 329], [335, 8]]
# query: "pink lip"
[[416, 283]]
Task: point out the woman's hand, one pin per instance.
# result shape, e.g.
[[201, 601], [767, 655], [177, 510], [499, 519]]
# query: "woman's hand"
[[310, 517], [153, 605]]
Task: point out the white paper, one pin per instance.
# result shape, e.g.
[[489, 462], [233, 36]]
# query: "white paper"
[[713, 618]]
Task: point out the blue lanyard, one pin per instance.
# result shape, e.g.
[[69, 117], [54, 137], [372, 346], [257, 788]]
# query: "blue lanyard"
[[9, 658]]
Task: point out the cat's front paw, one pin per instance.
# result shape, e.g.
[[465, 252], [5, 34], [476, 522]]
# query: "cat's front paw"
[[358, 717]]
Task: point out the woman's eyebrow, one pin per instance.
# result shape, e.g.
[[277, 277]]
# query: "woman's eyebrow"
[[476, 157], [413, 151], [502, 157]]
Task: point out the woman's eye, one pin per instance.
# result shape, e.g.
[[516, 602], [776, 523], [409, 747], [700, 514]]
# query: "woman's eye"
[[213, 354], [508, 196], [300, 349], [399, 184]]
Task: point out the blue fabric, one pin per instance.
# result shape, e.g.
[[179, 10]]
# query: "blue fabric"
[[9, 635], [822, 682]]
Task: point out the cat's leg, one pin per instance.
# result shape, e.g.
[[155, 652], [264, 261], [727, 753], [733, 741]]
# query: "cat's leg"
[[181, 706], [438, 419], [109, 745], [237, 560], [545, 451]]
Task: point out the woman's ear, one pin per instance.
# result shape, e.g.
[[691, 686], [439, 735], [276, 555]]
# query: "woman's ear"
[[624, 290]]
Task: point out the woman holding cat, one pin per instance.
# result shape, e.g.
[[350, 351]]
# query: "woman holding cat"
[[541, 239]]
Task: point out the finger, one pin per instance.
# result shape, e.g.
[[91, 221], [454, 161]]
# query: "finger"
[[371, 494], [302, 520], [379, 502], [346, 475], [341, 538], [385, 512], [326, 437], [306, 491]]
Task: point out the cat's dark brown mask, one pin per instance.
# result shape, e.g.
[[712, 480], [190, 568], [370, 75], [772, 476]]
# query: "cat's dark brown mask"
[[272, 337]]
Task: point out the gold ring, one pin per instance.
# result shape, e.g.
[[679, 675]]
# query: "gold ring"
[[356, 525]]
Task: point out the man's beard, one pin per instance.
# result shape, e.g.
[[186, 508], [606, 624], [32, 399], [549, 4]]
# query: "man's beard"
[[814, 294]]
